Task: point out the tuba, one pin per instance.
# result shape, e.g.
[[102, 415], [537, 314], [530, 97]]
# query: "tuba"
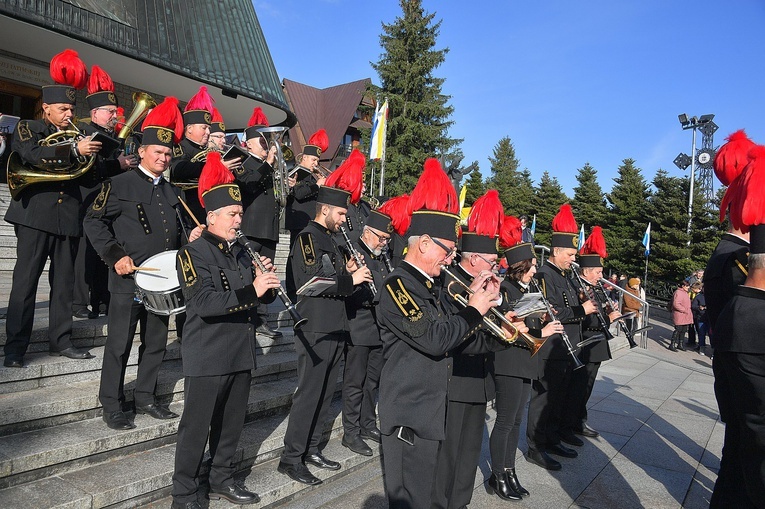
[[21, 175], [142, 103], [284, 156]]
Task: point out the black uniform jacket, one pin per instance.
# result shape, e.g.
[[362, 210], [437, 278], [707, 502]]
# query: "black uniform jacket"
[[741, 322], [301, 201], [600, 350], [52, 207], [103, 168], [360, 306], [261, 210], [131, 216], [472, 379], [417, 334], [182, 170], [315, 254], [221, 303], [726, 269], [563, 297], [517, 361]]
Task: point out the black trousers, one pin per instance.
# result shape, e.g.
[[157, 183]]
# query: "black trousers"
[[91, 278], [214, 405], [512, 396], [289, 280], [678, 335], [361, 378], [33, 248], [582, 382], [740, 392], [124, 314], [548, 399], [458, 455], [318, 365], [409, 471], [267, 248]]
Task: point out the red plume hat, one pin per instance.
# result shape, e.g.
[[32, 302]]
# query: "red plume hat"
[[349, 176], [594, 249], [199, 108], [730, 161], [398, 210], [100, 89], [216, 124], [317, 144], [484, 224], [70, 74], [164, 124], [216, 185], [434, 204], [511, 241], [565, 232], [258, 119]]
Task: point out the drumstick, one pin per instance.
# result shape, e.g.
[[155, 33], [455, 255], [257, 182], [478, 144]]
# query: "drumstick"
[[146, 268], [191, 214]]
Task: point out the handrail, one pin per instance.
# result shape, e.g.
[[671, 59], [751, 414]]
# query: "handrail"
[[646, 314]]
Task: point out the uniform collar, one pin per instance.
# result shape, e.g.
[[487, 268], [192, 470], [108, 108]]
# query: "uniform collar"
[[365, 248], [736, 239], [464, 274], [520, 286], [218, 242], [321, 227], [194, 144], [419, 275], [555, 268], [146, 175]]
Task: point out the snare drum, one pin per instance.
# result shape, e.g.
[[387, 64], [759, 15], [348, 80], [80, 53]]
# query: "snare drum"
[[159, 290]]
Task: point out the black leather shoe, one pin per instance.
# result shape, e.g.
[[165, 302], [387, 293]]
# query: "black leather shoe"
[[13, 362], [73, 353], [587, 431], [117, 420], [156, 411], [236, 493], [498, 483], [561, 450], [187, 505], [356, 444], [371, 434], [512, 480], [542, 459], [265, 330], [81, 313], [299, 473], [571, 439], [319, 460]]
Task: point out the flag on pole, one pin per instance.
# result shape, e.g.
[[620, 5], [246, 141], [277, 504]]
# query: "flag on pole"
[[647, 240], [379, 127], [534, 225], [581, 238], [464, 211]]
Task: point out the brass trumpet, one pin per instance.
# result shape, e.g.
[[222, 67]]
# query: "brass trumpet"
[[530, 342]]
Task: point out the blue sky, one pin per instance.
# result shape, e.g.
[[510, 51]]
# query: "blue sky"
[[569, 82]]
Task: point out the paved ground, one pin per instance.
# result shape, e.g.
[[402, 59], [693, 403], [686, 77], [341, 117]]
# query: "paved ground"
[[659, 447]]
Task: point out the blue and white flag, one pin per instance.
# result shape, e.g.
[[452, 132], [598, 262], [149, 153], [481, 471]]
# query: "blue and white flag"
[[647, 240], [534, 225], [581, 238]]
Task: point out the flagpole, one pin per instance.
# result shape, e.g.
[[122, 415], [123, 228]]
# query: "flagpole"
[[382, 161]]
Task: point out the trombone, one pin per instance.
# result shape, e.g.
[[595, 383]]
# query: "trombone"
[[530, 342]]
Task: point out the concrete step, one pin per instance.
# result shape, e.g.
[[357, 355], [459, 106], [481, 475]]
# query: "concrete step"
[[143, 478], [47, 407], [36, 454]]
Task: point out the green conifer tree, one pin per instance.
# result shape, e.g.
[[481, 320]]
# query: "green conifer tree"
[[475, 185], [548, 198], [589, 202]]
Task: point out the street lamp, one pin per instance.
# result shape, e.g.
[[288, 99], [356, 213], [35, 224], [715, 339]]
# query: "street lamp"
[[705, 124]]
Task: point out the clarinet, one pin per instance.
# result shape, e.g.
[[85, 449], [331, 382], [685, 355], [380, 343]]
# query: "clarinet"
[[244, 241], [386, 261], [628, 333], [356, 257], [577, 363], [590, 294]]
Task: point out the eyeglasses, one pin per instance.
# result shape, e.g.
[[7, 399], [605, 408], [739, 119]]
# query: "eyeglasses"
[[217, 136], [379, 237], [493, 264], [449, 252], [110, 111]]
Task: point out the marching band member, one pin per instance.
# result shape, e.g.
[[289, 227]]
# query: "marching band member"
[[418, 333], [217, 140], [136, 215], [91, 276], [46, 217], [358, 210], [471, 384], [319, 343], [261, 210], [514, 368], [221, 288], [398, 210], [304, 187], [550, 392], [363, 349], [591, 262]]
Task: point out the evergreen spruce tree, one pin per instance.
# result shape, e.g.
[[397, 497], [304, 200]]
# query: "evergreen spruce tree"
[[522, 201], [419, 116], [627, 220], [475, 186], [504, 168], [547, 201], [705, 227], [670, 258], [589, 202]]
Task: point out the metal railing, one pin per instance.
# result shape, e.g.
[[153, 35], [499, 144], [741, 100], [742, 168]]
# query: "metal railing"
[[645, 309]]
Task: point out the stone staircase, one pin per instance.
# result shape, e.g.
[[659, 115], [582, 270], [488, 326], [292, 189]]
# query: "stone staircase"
[[55, 450]]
